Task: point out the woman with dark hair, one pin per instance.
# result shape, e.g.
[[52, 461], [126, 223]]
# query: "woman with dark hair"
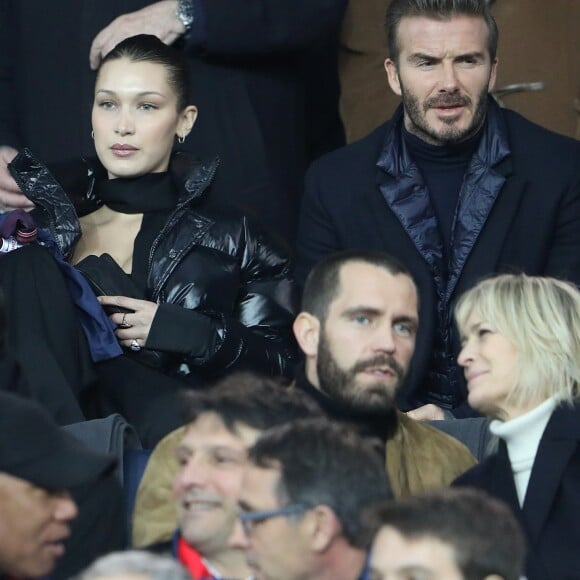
[[521, 355], [191, 291]]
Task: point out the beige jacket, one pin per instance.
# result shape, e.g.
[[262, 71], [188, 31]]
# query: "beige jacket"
[[419, 457]]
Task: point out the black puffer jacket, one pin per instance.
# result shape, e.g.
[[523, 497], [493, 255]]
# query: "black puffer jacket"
[[226, 294]]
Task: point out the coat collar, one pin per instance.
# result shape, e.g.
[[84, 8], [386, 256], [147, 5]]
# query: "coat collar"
[[559, 442], [403, 189], [493, 148], [66, 190], [191, 176]]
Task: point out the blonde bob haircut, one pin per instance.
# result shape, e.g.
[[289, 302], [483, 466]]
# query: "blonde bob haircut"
[[541, 317]]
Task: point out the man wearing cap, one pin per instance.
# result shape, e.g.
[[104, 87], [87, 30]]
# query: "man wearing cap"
[[39, 466]]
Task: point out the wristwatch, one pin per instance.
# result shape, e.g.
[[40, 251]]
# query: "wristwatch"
[[185, 13]]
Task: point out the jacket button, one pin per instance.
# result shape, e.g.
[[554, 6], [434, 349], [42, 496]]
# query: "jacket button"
[[172, 254]]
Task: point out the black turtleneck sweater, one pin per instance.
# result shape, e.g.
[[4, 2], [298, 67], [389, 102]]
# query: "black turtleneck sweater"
[[377, 425], [442, 169]]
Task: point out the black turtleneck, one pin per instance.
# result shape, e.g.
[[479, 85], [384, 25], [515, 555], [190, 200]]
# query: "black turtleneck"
[[442, 169], [377, 425]]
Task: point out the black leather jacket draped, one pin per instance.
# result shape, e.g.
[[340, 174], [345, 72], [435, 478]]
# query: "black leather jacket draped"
[[225, 292]]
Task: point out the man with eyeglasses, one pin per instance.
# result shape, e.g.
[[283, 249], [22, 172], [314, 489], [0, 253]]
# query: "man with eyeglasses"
[[304, 491], [209, 457]]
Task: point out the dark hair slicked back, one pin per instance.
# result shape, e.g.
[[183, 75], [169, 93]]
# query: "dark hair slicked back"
[[440, 10], [148, 48]]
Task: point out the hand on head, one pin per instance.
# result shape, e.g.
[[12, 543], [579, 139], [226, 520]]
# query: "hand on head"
[[159, 19]]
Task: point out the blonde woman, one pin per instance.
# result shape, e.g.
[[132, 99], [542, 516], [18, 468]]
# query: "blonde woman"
[[521, 357]]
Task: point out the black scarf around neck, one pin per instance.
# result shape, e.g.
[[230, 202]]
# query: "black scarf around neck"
[[148, 193]]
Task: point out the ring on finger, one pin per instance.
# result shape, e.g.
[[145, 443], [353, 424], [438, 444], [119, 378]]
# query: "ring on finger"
[[135, 346], [124, 323]]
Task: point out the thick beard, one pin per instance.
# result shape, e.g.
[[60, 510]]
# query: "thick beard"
[[451, 135], [340, 385]]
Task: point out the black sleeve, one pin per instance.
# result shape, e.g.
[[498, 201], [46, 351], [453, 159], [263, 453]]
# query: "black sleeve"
[[258, 334], [8, 128], [317, 235], [250, 27]]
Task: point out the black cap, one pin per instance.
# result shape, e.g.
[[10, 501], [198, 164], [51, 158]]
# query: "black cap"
[[34, 448]]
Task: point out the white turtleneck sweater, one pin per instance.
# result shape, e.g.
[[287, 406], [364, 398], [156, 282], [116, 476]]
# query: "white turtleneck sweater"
[[522, 437]]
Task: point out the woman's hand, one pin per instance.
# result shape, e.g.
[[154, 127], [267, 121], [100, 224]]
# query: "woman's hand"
[[131, 326]]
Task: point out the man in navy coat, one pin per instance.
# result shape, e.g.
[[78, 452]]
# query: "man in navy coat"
[[453, 186]]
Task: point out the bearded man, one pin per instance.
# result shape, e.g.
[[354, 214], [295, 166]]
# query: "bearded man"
[[357, 330]]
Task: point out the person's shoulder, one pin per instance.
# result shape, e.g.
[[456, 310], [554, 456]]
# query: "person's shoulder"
[[213, 220], [154, 513], [565, 421], [447, 451], [478, 475], [526, 137], [363, 152], [429, 457], [230, 231], [427, 434]]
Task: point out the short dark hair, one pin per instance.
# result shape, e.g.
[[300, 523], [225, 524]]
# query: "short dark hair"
[[323, 283], [440, 10], [483, 532], [148, 48], [251, 399], [323, 463]]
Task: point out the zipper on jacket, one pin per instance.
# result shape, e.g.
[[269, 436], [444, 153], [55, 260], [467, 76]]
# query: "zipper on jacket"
[[174, 218]]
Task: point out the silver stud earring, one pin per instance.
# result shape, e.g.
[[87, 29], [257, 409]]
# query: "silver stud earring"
[[180, 139]]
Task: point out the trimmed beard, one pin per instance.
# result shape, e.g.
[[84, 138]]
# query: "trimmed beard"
[[451, 135], [340, 385]]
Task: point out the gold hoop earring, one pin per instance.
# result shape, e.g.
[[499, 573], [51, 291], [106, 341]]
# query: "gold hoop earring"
[[180, 139]]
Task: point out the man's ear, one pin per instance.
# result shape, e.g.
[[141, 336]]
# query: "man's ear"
[[393, 76], [307, 332], [492, 75], [324, 528]]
